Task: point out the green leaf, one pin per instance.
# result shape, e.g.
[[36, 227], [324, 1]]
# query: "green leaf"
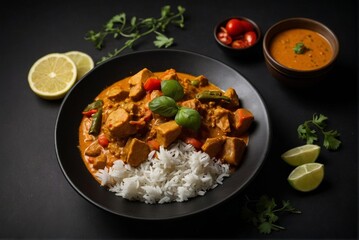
[[189, 118], [265, 227], [162, 41], [164, 106], [330, 140], [172, 88], [136, 28], [306, 131]]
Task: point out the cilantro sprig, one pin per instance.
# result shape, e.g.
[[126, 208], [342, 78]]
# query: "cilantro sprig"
[[135, 28], [264, 213], [307, 131]]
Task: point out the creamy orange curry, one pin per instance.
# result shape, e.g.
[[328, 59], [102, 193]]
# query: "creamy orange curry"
[[301, 49], [140, 113]]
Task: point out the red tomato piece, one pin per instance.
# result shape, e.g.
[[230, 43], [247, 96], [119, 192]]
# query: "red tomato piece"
[[247, 26], [197, 144], [152, 83], [250, 37], [224, 38], [102, 140], [239, 43], [234, 27]]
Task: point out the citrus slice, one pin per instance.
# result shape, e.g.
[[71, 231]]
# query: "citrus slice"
[[83, 62], [306, 177], [300, 155], [52, 76]]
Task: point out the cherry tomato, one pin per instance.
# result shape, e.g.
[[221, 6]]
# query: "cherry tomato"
[[239, 43], [224, 38], [250, 37], [234, 27], [247, 26], [102, 140]]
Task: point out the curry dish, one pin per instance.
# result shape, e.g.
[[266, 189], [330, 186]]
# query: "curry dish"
[[140, 113]]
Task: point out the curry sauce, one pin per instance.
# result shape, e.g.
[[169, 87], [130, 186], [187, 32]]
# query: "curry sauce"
[[129, 130], [316, 51]]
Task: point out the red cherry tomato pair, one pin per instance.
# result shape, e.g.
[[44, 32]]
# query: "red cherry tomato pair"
[[237, 33]]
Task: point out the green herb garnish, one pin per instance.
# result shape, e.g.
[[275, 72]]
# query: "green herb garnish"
[[136, 28], [306, 131], [300, 48], [263, 213]]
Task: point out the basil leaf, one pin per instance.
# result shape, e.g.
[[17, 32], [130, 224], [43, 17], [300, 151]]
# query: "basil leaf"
[[172, 88], [164, 106], [189, 118]]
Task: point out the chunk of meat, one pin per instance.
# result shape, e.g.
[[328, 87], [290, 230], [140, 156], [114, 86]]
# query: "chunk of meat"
[[93, 150], [140, 77], [117, 94], [168, 132], [118, 125], [200, 81], [136, 152], [242, 120], [100, 162], [232, 151], [193, 103], [232, 94], [221, 116], [169, 74], [137, 92], [213, 146]]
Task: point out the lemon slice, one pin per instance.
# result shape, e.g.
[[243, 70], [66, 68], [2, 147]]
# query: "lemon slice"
[[52, 76], [300, 155], [83, 62], [306, 177]]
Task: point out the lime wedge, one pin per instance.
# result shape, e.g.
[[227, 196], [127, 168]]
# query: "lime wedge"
[[300, 155], [306, 177]]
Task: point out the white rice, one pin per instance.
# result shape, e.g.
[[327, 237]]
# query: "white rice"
[[174, 174]]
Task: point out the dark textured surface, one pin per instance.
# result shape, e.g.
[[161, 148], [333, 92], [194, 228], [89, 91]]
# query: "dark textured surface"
[[38, 202]]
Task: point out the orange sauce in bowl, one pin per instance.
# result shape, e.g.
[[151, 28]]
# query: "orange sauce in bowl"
[[318, 51]]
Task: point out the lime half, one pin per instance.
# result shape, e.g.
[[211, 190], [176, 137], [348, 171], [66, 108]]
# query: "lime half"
[[306, 177], [300, 155]]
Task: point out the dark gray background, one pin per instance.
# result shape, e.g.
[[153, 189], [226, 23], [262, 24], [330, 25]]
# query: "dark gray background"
[[36, 201]]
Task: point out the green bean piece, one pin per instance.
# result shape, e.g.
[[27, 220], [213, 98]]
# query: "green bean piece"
[[212, 95], [94, 105], [96, 123]]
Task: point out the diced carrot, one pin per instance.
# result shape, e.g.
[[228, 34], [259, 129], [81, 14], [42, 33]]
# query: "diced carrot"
[[243, 120], [153, 144]]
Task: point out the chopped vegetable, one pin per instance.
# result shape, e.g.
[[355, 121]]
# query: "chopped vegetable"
[[152, 83], [96, 122], [212, 95]]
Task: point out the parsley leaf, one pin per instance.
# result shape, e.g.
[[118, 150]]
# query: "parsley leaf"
[[263, 213], [307, 131]]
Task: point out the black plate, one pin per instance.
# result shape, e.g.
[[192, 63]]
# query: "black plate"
[[69, 118]]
